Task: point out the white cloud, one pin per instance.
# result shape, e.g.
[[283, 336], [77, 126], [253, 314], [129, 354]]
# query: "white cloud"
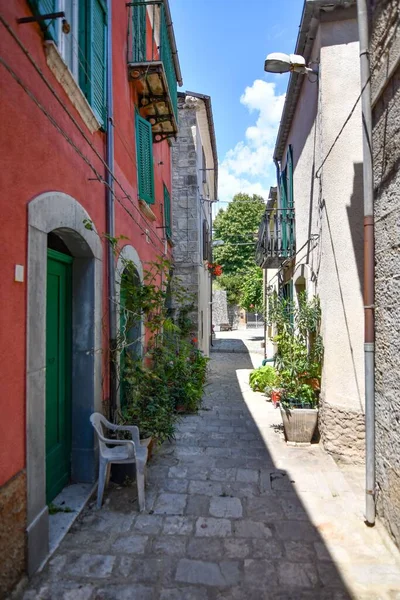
[[248, 167]]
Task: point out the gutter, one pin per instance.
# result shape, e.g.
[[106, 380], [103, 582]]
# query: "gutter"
[[207, 102], [173, 43], [369, 265], [110, 223]]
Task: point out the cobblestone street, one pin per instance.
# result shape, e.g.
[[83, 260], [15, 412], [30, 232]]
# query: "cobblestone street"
[[232, 513]]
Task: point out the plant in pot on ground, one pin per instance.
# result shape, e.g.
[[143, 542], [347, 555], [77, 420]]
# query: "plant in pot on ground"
[[263, 379], [299, 362], [169, 371]]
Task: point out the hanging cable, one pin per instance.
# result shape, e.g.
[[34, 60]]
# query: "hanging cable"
[[98, 175], [52, 90]]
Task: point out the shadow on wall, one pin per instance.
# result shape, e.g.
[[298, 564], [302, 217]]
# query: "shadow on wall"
[[355, 215], [346, 316]]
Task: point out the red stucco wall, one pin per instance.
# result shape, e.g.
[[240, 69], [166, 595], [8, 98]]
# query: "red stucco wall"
[[36, 158]]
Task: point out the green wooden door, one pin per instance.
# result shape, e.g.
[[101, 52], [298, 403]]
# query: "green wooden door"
[[58, 372]]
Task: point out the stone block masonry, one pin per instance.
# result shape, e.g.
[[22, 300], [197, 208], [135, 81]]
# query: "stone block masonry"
[[342, 432], [12, 532], [385, 55], [186, 218]]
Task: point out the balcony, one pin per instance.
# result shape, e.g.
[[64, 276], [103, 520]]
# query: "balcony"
[[276, 238], [152, 67]]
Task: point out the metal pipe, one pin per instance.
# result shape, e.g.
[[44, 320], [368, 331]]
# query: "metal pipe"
[[369, 274], [110, 223]]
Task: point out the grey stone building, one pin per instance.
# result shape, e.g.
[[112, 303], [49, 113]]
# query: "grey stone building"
[[385, 97], [194, 188]]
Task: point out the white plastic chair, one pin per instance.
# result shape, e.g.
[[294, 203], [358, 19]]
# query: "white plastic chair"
[[123, 451]]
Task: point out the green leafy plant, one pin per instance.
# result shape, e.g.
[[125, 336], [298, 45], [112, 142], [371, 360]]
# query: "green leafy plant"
[[172, 372], [54, 509], [263, 378], [299, 349]]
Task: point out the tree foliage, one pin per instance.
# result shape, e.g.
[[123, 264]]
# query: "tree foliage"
[[251, 297], [237, 226]]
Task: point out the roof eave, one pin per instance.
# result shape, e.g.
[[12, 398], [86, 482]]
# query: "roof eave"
[[305, 40], [213, 139], [171, 34]]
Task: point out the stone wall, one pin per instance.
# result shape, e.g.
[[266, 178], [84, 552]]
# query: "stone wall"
[[12, 532], [385, 54], [219, 308], [185, 215], [234, 315], [346, 444]]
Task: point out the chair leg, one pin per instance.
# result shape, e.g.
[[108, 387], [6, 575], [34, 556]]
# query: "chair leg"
[[108, 473], [140, 488], [102, 480]]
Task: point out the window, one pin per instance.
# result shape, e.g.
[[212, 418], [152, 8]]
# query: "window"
[[289, 177], [144, 154], [167, 213], [139, 33], [83, 48], [206, 241]]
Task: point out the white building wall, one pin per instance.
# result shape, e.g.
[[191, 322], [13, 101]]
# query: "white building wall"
[[329, 204]]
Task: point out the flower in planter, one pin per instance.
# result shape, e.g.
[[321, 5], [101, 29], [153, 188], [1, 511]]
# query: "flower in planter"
[[214, 269]]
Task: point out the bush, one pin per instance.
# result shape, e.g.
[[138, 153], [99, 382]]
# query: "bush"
[[263, 378]]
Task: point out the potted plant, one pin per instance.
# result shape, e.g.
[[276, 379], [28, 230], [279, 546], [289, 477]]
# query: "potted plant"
[[299, 362], [299, 412]]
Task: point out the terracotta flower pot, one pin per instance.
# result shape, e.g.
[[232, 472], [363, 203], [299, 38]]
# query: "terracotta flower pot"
[[149, 443], [275, 397]]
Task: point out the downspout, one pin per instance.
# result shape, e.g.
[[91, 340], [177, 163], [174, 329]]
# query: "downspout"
[[369, 317], [110, 224]]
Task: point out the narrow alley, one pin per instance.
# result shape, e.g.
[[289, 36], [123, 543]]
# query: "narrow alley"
[[232, 512]]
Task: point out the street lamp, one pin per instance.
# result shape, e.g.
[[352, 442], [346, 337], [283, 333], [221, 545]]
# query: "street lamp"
[[278, 62]]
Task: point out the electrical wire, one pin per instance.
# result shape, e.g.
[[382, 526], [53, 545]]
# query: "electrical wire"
[[342, 128], [72, 143], [50, 87]]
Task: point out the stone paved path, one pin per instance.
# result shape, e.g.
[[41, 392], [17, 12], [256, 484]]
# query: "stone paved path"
[[232, 513]]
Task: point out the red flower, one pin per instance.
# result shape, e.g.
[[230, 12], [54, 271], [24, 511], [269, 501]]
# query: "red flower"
[[194, 340]]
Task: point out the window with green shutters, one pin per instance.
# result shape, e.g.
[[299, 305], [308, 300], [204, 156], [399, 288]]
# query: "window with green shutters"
[[144, 155], [93, 50], [139, 32], [44, 7], [167, 213], [88, 60]]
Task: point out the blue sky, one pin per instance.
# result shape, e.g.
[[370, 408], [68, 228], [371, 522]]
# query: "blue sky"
[[222, 45]]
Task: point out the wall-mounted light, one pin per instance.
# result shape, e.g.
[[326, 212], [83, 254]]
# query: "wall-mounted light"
[[278, 62]]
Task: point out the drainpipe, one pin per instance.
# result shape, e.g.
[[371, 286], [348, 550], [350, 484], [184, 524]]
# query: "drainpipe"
[[110, 224], [369, 317]]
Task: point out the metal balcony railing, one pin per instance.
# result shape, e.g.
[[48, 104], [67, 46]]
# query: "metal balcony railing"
[[151, 66], [276, 237]]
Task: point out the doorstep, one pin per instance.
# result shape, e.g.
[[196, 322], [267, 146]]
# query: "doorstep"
[[73, 497]]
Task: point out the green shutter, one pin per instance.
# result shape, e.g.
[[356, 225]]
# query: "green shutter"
[[167, 213], [282, 214], [168, 62], [93, 55], [44, 7], [289, 185], [139, 33], [290, 199], [98, 51], [144, 154]]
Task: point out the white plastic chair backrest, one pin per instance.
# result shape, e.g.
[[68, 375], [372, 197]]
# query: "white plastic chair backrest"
[[99, 423]]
